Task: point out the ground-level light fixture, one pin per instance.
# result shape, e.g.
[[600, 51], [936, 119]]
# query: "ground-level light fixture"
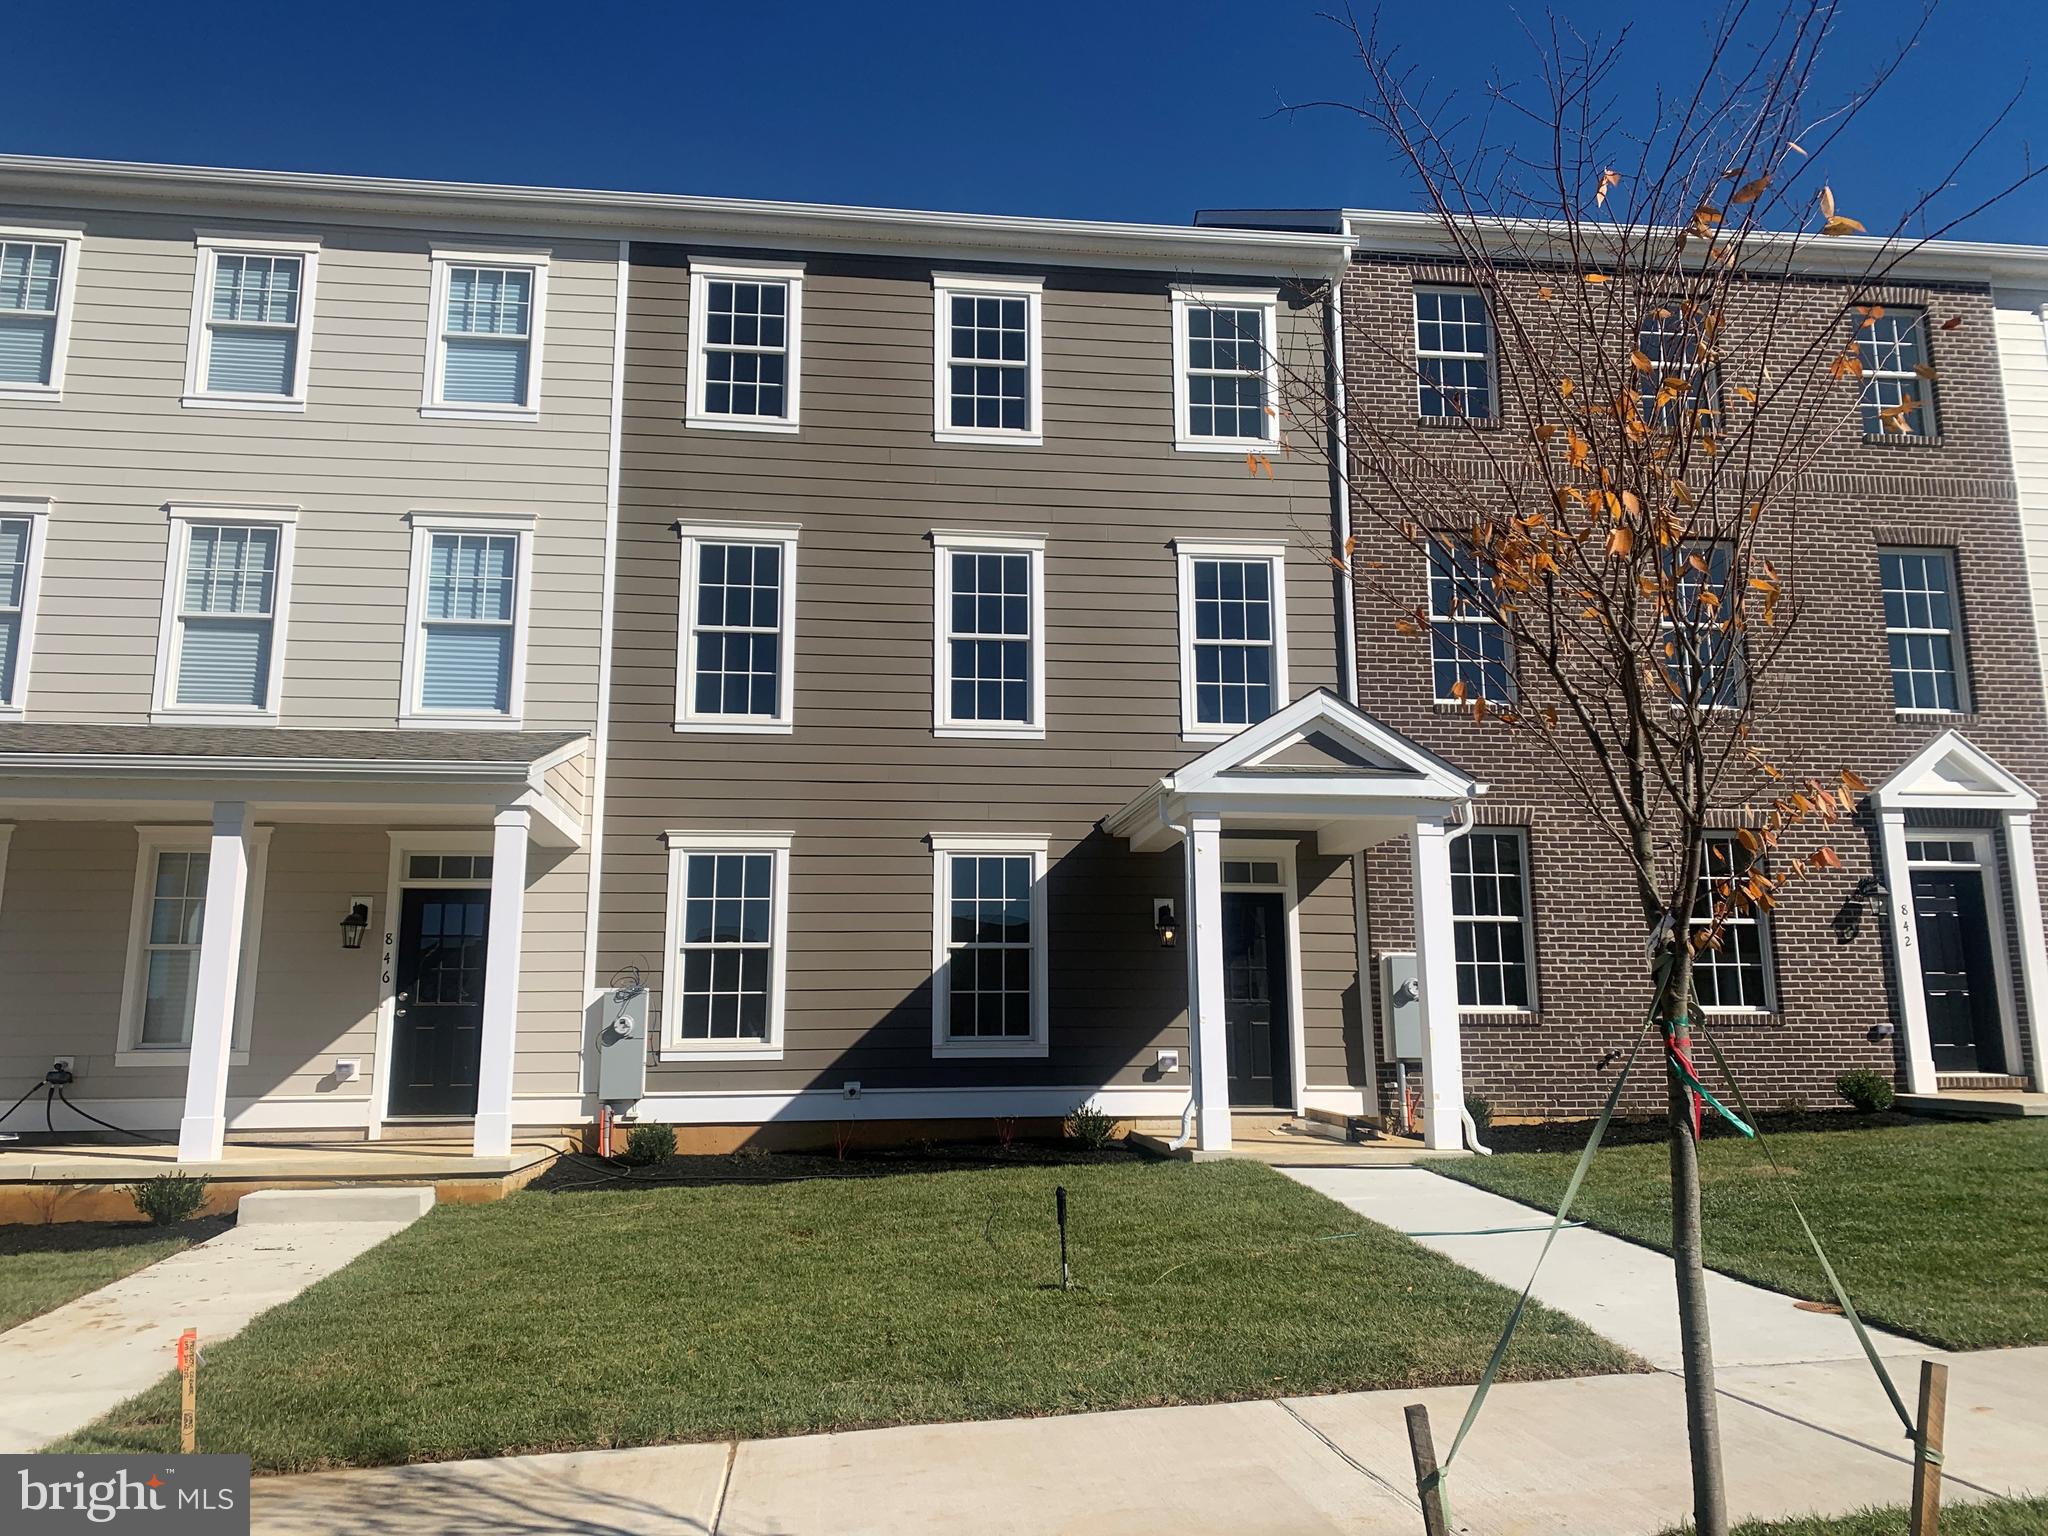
[[354, 925], [1165, 922]]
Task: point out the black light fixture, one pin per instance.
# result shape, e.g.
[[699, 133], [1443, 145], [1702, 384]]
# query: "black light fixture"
[[353, 926], [1167, 925]]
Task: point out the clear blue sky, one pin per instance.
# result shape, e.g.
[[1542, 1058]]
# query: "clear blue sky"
[[1101, 110]]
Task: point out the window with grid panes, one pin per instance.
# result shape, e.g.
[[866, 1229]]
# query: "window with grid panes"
[[1453, 349], [1467, 642], [989, 939], [1923, 631], [1731, 974], [1490, 908], [721, 987]]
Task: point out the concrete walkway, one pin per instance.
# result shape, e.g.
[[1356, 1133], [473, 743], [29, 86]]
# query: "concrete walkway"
[[1599, 1456], [60, 1371], [1617, 1288]]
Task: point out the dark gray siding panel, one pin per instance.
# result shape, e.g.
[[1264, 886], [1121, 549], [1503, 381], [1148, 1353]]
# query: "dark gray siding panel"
[[862, 780]]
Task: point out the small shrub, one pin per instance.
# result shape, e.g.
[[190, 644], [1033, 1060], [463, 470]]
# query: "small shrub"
[[1480, 1108], [648, 1145], [169, 1198], [1090, 1125], [1793, 1104], [1868, 1092], [1006, 1130]]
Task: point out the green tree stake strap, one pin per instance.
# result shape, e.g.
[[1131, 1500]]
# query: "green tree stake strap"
[[1500, 1350], [1834, 1282]]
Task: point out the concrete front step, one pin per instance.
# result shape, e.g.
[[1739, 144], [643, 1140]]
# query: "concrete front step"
[[1970, 1104], [381, 1203]]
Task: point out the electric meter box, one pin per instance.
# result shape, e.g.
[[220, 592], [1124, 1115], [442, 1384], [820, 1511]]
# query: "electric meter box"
[[1401, 1000], [622, 1046]]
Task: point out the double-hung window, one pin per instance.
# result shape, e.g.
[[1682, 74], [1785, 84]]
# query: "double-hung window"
[[1923, 630], [466, 628], [746, 337], [1898, 382], [1702, 651], [1490, 908], [484, 356], [1453, 355], [1731, 972], [989, 636], [988, 946], [1233, 635], [252, 324], [166, 928], [728, 945], [227, 592], [987, 359], [1467, 642], [1225, 369], [736, 664], [23, 526], [37, 272], [1679, 387]]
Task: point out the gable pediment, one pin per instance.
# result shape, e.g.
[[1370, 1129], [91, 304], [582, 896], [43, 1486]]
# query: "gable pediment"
[[1953, 773]]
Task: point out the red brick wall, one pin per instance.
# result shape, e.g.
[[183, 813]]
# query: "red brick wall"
[[1828, 707]]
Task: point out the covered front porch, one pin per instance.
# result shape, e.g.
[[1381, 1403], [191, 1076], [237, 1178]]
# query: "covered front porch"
[[208, 931], [1319, 778]]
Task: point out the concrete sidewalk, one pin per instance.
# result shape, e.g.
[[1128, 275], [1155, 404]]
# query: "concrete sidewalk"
[[60, 1371], [1619, 1289], [1598, 1456]]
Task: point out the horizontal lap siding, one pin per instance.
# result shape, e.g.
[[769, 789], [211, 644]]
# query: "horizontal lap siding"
[[862, 780]]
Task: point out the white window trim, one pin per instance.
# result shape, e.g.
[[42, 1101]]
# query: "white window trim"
[[1919, 387], [199, 339], [950, 541], [673, 1046], [1486, 358], [37, 510], [944, 846], [1527, 924], [701, 274], [432, 406], [1186, 298], [1766, 949], [130, 1052], [73, 241], [1186, 552], [1958, 646], [164, 707], [1477, 616], [947, 286], [425, 525], [688, 718]]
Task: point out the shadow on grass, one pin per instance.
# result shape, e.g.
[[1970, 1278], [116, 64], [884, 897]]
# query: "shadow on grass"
[[581, 1173], [1572, 1135]]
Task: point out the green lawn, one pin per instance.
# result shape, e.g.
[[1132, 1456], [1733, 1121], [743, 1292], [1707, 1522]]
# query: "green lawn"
[[554, 1321], [42, 1267], [1938, 1230], [2003, 1517]]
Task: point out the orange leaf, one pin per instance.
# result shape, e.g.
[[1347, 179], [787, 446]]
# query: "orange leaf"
[[1827, 202], [1742, 393], [1607, 179], [1827, 858], [1841, 225], [1565, 388], [1750, 191], [1951, 322], [1545, 433], [1850, 780], [1459, 690], [1642, 361], [1577, 450], [1545, 293], [1621, 539], [1596, 277], [1924, 371]]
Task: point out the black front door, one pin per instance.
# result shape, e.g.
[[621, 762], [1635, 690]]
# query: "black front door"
[[1255, 999], [438, 1013], [1963, 1024]]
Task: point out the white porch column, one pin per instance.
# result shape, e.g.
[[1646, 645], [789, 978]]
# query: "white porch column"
[[1436, 968], [1898, 880], [1208, 1032], [2026, 913], [501, 983], [202, 1133]]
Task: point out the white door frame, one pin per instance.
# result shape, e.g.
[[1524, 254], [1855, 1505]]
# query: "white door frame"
[[1991, 870], [1283, 851]]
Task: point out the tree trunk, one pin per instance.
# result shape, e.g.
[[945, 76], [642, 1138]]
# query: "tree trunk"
[[1702, 1422]]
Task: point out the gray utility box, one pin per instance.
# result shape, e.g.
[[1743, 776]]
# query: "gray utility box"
[[622, 1046], [1401, 1005]]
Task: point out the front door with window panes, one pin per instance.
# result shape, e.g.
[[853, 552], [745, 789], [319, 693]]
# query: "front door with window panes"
[[438, 1001], [177, 921], [1951, 919]]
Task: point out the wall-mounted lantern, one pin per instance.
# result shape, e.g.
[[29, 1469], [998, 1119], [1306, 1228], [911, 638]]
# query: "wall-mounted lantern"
[[1164, 922], [357, 921]]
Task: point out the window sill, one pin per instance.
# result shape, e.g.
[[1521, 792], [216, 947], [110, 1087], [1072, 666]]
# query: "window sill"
[[142, 1056], [1743, 1015], [1499, 1016], [1225, 444], [961, 1050], [1901, 440], [738, 424], [516, 413], [989, 732], [13, 712], [735, 1053], [251, 717], [239, 403], [30, 394], [1933, 714], [1452, 423], [460, 723], [1208, 738], [762, 727], [993, 439]]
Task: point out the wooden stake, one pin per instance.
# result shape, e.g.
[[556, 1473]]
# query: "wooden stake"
[[1926, 1510], [1423, 1449], [188, 1389]]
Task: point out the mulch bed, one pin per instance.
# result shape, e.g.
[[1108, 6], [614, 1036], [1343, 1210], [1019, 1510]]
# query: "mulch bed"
[[76, 1236]]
